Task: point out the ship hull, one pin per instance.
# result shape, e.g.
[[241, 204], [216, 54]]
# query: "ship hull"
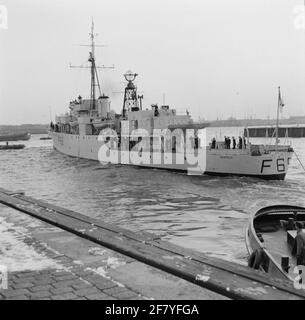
[[225, 162]]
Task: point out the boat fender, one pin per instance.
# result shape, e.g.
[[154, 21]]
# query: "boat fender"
[[260, 237], [256, 259]]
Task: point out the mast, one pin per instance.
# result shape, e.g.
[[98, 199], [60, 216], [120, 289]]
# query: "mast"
[[279, 105], [93, 69]]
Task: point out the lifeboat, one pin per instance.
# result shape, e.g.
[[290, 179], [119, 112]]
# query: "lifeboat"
[[11, 146], [15, 136], [98, 124]]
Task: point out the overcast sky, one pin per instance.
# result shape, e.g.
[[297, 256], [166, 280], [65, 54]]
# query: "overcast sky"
[[217, 58]]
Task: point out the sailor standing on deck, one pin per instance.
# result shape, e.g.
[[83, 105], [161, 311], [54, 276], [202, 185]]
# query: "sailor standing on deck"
[[213, 146], [240, 143], [244, 142], [300, 244], [234, 142]]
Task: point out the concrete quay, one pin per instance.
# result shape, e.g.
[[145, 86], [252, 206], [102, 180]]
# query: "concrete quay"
[[48, 263]]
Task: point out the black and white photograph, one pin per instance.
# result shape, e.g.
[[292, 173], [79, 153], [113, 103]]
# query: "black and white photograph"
[[152, 153]]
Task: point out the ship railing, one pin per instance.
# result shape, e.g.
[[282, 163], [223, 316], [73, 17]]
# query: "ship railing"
[[283, 148]]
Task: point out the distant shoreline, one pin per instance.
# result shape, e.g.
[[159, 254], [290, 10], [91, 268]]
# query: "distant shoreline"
[[256, 122], [24, 128]]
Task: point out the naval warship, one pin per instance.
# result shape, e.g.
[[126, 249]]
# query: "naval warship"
[[156, 136]]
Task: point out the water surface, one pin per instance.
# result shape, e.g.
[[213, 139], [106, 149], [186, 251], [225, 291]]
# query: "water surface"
[[208, 214]]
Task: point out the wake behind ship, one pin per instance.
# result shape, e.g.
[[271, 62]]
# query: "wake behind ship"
[[156, 137]]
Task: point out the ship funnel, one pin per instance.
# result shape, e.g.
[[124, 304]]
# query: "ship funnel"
[[103, 106]]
